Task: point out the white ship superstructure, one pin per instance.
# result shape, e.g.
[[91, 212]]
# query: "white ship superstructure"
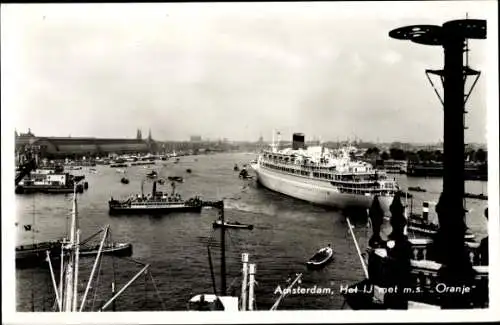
[[323, 176]]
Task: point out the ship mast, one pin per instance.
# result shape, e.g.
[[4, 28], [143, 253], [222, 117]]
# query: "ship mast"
[[273, 146], [67, 292], [70, 285]]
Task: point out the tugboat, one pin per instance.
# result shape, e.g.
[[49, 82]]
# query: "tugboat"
[[155, 203], [421, 224]]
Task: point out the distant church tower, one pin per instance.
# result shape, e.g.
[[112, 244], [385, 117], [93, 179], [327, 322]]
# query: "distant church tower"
[[139, 134], [151, 143]]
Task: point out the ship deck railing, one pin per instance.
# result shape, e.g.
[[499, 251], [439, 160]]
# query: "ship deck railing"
[[330, 176], [302, 167]]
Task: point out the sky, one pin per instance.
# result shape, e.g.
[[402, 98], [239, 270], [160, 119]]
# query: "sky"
[[234, 71]]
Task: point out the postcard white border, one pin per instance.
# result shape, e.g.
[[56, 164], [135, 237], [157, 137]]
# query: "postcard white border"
[[345, 316]]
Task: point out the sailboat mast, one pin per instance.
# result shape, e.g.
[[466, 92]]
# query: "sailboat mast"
[[223, 252]]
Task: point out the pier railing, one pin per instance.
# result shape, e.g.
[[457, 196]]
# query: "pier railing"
[[421, 251]]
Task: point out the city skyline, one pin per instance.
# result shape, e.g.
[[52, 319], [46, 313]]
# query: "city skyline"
[[236, 72]]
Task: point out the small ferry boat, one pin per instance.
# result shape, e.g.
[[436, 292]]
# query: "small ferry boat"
[[155, 203], [321, 258], [231, 224], [33, 255]]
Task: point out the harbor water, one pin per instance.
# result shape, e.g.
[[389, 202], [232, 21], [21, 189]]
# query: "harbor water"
[[286, 233]]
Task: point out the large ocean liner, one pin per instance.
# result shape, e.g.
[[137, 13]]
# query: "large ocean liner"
[[323, 176]]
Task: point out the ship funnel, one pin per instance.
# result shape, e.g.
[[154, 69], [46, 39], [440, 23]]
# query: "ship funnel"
[[425, 211], [298, 141], [154, 189]]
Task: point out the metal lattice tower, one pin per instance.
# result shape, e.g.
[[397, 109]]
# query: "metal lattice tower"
[[453, 37]]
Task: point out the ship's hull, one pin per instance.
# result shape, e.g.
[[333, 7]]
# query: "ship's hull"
[[316, 191], [34, 257], [117, 210], [27, 189]]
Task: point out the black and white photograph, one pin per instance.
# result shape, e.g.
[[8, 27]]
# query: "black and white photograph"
[[285, 160]]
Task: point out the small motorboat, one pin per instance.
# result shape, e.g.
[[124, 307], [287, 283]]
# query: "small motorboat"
[[231, 224], [416, 189], [152, 174], [244, 174], [321, 258], [124, 180], [176, 179], [188, 171], [476, 196], [118, 165], [236, 168]]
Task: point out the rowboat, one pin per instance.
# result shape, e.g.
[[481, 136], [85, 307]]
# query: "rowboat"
[[321, 258]]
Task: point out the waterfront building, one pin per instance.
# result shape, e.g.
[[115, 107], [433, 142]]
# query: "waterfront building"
[[61, 147]]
